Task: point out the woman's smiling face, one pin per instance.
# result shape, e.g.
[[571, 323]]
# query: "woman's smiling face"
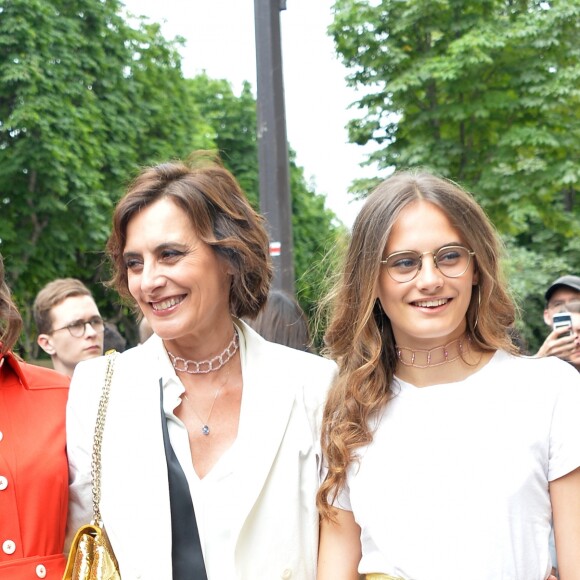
[[178, 280], [429, 310]]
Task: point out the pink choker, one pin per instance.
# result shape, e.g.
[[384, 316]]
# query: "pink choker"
[[440, 355]]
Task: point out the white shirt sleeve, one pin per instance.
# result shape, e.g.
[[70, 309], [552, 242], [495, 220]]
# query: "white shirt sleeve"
[[564, 454]]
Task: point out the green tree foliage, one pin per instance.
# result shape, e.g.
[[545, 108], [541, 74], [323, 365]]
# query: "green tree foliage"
[[317, 237], [53, 206], [233, 123], [168, 122], [488, 94], [85, 100]]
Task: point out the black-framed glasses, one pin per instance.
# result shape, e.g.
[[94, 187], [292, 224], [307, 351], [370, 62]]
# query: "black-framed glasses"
[[451, 261], [79, 327]]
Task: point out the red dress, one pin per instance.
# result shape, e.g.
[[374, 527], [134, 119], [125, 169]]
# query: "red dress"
[[33, 471]]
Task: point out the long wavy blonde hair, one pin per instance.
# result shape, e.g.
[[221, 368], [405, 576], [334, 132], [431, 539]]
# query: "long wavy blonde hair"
[[359, 335]]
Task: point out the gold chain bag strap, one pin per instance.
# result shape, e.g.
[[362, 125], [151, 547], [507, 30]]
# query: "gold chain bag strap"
[[91, 556]]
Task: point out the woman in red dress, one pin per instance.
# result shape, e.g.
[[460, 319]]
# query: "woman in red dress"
[[33, 464]]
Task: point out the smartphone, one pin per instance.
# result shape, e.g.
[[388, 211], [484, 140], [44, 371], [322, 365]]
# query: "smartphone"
[[563, 320]]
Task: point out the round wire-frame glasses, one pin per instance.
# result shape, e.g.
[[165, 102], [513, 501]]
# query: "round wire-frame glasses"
[[452, 261]]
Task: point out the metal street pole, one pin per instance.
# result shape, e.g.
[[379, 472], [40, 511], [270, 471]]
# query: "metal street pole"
[[275, 199]]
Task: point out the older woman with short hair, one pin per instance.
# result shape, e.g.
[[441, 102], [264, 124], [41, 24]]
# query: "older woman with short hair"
[[240, 414]]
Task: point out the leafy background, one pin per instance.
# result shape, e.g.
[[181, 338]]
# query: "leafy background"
[[486, 93], [85, 101]]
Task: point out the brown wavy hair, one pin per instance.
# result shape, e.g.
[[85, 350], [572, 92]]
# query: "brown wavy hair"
[[10, 319], [359, 335], [220, 214]]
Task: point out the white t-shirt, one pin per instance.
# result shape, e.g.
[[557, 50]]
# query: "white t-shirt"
[[454, 485]]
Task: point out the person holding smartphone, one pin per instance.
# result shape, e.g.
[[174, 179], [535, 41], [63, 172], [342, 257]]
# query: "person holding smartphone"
[[563, 297]]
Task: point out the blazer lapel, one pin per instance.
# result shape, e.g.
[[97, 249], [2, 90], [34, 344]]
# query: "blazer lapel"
[[266, 408]]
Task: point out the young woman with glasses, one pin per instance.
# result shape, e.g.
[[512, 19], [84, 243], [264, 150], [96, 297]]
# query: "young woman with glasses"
[[446, 453]]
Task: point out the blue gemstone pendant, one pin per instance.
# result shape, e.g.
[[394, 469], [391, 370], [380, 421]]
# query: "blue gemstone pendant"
[[205, 430]]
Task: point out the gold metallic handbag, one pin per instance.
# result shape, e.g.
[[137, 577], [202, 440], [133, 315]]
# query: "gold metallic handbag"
[[91, 556]]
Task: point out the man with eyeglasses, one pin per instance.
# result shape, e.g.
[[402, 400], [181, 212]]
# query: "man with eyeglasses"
[[70, 327], [563, 296]]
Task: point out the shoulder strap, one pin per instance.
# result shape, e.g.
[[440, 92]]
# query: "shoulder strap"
[[98, 438]]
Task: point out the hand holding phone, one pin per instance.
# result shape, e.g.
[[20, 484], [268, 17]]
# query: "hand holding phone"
[[562, 320]]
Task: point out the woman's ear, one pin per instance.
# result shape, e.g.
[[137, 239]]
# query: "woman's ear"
[[226, 266]]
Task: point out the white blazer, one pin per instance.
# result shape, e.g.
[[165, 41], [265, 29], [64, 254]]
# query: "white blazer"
[[276, 520]]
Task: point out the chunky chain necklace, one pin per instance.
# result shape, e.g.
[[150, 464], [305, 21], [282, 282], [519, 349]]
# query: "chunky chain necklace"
[[434, 357], [202, 367]]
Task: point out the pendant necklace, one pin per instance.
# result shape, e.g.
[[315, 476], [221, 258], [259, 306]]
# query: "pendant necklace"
[[204, 367], [205, 424]]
